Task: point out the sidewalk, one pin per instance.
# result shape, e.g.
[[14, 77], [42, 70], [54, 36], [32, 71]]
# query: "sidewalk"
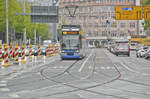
[[16, 68]]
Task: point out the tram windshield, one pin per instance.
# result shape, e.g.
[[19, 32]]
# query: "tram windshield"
[[70, 42]]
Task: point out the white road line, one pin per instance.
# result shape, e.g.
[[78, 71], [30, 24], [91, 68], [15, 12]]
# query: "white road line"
[[4, 89], [102, 67], [3, 81], [81, 96], [13, 95], [82, 66], [3, 85], [107, 67]]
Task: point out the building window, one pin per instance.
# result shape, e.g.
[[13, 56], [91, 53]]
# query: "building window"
[[105, 0], [131, 0], [122, 0], [113, 1], [104, 33], [122, 25], [114, 24], [132, 25]]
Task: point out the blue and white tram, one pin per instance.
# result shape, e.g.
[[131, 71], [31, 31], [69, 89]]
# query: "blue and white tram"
[[71, 42]]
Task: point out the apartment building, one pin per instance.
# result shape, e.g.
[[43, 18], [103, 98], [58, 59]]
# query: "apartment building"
[[97, 18]]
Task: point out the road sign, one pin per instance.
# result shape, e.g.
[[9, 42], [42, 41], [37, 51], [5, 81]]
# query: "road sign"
[[44, 14], [147, 13], [129, 13]]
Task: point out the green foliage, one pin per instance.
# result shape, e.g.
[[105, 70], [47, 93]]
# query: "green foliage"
[[146, 22], [20, 22]]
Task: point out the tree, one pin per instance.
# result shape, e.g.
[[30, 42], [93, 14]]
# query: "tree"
[[19, 22], [146, 22]]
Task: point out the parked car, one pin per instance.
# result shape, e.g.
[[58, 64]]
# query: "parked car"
[[147, 55], [133, 46], [122, 49], [141, 51]]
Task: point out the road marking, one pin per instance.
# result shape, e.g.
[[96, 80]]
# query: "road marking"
[[4, 89], [107, 67], [102, 67], [82, 66], [3, 81], [81, 96], [2, 85], [22, 92], [13, 95]]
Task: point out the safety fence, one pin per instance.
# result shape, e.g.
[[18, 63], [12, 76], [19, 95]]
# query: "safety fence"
[[15, 55]]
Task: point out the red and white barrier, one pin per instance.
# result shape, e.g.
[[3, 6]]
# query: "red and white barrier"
[[22, 54], [39, 50], [16, 55], [6, 53], [10, 51], [1, 54], [30, 50]]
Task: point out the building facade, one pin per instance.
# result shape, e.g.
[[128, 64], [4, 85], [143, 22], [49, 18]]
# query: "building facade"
[[97, 18]]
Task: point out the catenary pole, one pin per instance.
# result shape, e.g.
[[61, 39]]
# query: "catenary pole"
[[7, 23]]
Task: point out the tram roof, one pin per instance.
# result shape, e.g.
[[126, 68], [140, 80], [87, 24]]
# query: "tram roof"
[[71, 26]]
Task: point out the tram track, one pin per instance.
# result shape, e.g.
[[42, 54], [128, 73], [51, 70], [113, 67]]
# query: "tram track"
[[87, 89]]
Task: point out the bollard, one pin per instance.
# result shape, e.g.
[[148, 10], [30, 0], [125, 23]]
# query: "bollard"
[[10, 51], [6, 60], [16, 55], [1, 53], [22, 54], [30, 50]]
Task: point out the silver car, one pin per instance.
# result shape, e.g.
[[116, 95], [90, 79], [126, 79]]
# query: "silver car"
[[147, 55], [122, 49]]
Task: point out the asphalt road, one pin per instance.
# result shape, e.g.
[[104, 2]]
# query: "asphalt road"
[[100, 75]]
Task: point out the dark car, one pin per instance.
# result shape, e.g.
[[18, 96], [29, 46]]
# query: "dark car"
[[43, 50], [34, 50]]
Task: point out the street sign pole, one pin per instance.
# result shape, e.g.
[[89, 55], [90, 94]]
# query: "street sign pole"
[[7, 23], [24, 11]]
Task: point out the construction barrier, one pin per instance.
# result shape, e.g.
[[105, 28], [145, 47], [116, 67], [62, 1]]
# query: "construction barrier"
[[30, 50], [1, 53], [6, 53], [16, 55], [53, 49], [22, 54], [39, 50], [10, 51]]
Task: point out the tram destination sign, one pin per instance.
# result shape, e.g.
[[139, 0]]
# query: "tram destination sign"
[[128, 13]]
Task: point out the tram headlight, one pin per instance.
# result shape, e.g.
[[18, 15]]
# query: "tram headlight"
[[62, 51], [77, 51]]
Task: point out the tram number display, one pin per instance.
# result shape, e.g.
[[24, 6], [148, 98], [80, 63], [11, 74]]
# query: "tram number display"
[[70, 32]]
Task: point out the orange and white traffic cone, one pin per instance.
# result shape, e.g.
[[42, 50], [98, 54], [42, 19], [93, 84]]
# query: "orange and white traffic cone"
[[1, 53], [6, 60], [22, 54], [10, 51], [16, 55]]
